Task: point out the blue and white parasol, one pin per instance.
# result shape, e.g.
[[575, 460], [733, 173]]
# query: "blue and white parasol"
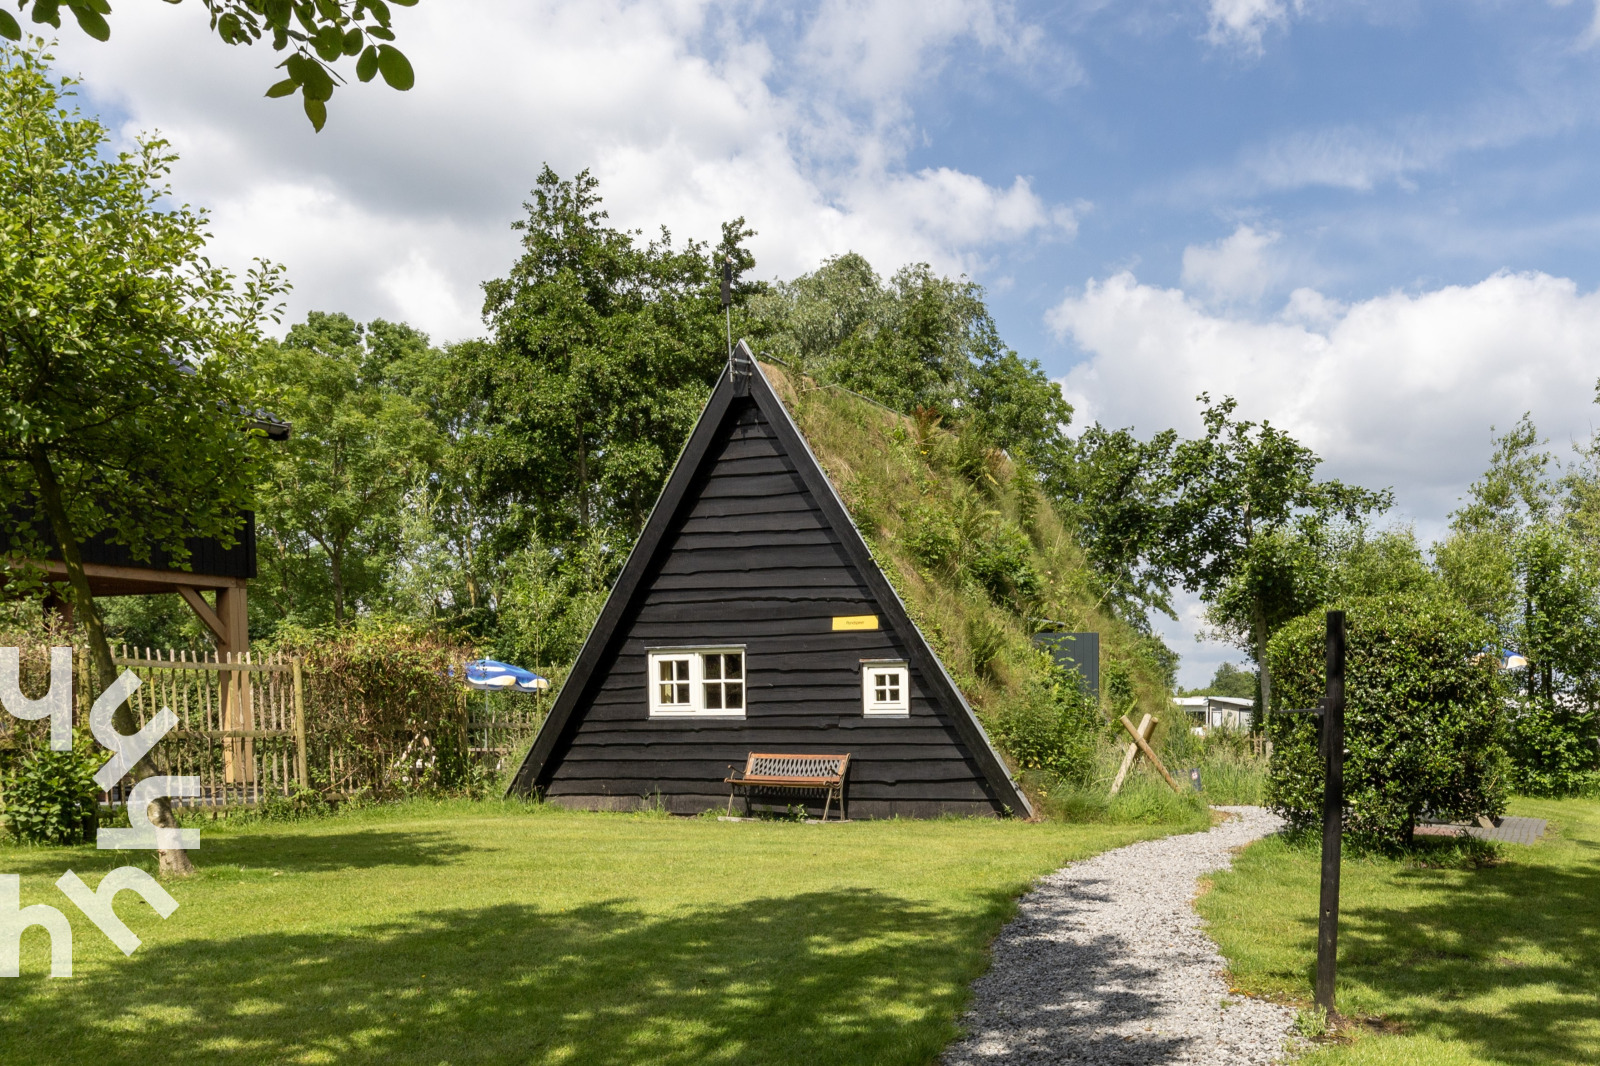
[[491, 676]]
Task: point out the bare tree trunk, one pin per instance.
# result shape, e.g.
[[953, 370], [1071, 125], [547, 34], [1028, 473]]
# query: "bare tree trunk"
[[173, 862], [1259, 639], [335, 563], [583, 478]]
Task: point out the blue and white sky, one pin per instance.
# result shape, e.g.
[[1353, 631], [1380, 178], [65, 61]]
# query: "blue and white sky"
[[1374, 223]]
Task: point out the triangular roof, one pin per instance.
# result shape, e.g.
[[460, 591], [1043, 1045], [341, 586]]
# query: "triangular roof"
[[742, 377]]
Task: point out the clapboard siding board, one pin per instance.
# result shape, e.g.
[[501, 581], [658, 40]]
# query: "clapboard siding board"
[[750, 548]]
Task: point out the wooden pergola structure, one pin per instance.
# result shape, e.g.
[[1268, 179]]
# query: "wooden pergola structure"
[[225, 572]]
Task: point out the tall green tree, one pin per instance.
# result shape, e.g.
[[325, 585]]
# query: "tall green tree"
[[317, 34], [1114, 487], [1520, 555], [603, 349], [118, 415], [1247, 514], [918, 342], [332, 495]]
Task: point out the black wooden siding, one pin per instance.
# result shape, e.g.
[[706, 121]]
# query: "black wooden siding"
[[752, 561], [207, 556]]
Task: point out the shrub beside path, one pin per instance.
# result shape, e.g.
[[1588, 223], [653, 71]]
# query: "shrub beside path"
[[1106, 963]]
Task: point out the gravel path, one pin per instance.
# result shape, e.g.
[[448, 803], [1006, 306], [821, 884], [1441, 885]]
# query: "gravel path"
[[1105, 963]]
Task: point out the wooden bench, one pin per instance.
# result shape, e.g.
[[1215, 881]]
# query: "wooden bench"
[[771, 770]]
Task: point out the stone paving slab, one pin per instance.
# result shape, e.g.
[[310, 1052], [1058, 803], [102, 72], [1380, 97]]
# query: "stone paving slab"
[[1510, 830]]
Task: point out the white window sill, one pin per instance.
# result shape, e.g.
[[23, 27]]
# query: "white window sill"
[[725, 716]]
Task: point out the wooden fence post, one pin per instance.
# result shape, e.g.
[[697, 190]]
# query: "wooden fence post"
[[300, 726], [1332, 813]]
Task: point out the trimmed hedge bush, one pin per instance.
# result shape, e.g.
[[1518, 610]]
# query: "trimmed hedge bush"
[[1424, 720], [50, 797]]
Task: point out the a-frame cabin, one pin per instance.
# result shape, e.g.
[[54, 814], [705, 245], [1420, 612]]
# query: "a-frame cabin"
[[751, 617]]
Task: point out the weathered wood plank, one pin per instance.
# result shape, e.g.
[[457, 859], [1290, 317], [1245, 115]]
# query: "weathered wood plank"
[[751, 505], [724, 540], [762, 485], [753, 558], [763, 578], [750, 466], [759, 520]]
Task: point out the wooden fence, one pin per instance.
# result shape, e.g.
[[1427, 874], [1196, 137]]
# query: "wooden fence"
[[262, 725], [241, 722]]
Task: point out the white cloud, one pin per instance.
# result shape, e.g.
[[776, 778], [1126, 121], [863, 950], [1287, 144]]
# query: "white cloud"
[[687, 115], [1399, 390], [1244, 22], [1238, 267]]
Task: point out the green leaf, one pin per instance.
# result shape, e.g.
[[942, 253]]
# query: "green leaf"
[[329, 43], [314, 79], [367, 65], [47, 11], [380, 11], [9, 28], [379, 33], [395, 67], [286, 87], [352, 43], [404, 3], [317, 112], [92, 22]]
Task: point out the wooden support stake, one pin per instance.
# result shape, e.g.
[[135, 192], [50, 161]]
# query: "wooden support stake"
[[1332, 813], [1147, 725], [1144, 746], [300, 727]]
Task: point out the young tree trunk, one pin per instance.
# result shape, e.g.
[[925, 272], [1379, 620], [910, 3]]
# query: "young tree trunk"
[[174, 862], [583, 478], [1258, 637], [336, 567]]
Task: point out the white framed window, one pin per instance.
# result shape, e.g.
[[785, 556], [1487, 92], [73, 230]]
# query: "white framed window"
[[885, 688], [696, 681]]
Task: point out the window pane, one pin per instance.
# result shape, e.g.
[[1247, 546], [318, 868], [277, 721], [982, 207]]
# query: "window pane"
[[713, 664], [665, 668], [666, 694], [735, 695], [713, 697], [735, 666], [894, 688]]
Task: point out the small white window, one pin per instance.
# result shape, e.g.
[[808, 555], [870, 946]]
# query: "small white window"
[[885, 688], [696, 681]]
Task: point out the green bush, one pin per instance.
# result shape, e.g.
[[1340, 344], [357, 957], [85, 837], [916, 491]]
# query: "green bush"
[[1552, 744], [1054, 727], [50, 797], [1424, 728]]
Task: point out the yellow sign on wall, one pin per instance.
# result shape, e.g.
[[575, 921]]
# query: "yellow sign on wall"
[[854, 621]]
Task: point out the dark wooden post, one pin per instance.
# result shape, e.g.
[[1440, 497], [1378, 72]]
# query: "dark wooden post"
[[1332, 813]]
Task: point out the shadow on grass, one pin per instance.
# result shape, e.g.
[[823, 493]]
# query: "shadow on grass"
[[1469, 934], [287, 850], [836, 977]]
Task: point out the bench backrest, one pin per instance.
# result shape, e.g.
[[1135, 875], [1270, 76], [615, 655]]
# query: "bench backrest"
[[762, 764]]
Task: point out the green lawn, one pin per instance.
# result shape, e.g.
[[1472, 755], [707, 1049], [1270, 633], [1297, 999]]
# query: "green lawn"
[[461, 933], [1497, 964]]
